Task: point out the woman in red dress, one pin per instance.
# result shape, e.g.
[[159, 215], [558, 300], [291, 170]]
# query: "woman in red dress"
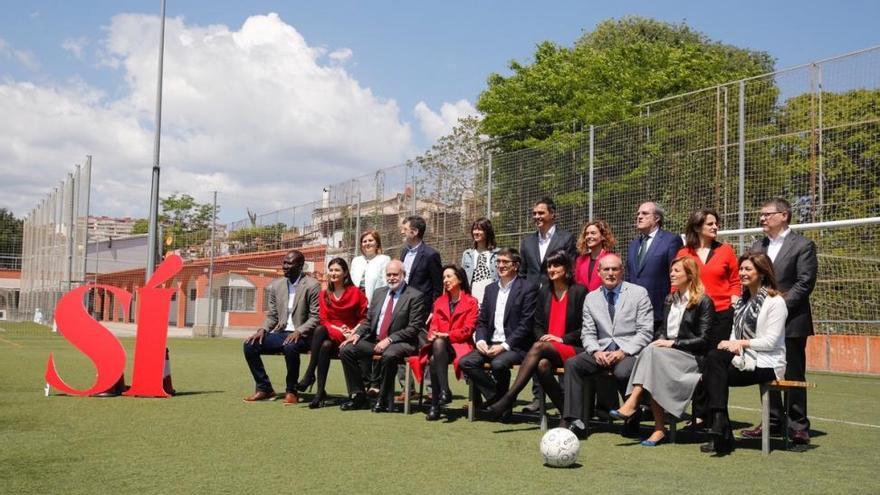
[[343, 306], [557, 326], [450, 336], [595, 242]]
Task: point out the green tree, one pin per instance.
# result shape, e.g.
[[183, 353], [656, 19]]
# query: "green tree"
[[141, 226], [11, 229], [186, 222]]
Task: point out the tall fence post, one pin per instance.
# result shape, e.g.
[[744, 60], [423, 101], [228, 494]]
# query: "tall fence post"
[[210, 272], [821, 124], [489, 189], [591, 185], [742, 163]]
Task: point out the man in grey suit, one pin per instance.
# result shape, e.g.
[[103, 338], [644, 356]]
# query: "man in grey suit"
[[796, 266], [618, 324], [291, 316], [393, 329]]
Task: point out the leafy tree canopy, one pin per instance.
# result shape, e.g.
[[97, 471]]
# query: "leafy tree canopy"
[[605, 76], [10, 239]]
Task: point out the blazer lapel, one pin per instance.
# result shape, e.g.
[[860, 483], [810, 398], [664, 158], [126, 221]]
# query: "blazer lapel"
[[514, 290], [281, 297], [784, 249], [620, 307]]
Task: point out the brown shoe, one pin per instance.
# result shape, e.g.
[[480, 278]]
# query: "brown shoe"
[[260, 396], [800, 437], [291, 399], [401, 398]]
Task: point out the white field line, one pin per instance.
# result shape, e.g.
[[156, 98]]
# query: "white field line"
[[830, 420]]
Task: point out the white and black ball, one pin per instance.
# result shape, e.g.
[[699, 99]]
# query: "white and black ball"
[[560, 447]]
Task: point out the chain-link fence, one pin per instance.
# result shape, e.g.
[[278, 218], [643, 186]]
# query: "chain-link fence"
[[810, 134]]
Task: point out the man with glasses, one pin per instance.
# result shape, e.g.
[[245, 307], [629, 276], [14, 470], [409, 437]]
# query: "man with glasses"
[[796, 268], [650, 254], [504, 329], [618, 324]]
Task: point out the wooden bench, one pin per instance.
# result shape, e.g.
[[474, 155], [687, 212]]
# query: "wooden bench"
[[784, 386]]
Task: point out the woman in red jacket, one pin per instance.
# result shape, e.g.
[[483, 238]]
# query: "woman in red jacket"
[[450, 336], [595, 242], [719, 273], [343, 306]]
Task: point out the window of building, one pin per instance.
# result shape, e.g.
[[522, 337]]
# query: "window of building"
[[237, 298]]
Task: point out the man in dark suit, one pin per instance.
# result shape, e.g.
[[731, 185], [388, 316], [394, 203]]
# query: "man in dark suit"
[[650, 254], [504, 329], [393, 329], [547, 239], [618, 324], [796, 267], [291, 316], [534, 249], [424, 271]]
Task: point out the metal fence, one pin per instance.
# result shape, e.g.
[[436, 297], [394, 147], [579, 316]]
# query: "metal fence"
[[810, 134]]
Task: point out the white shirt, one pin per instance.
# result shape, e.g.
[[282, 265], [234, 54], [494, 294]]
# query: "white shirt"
[[371, 271], [500, 306], [544, 241], [676, 312], [776, 244], [395, 294], [409, 259], [291, 295]]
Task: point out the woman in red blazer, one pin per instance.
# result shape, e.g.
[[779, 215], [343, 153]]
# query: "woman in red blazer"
[[450, 336], [342, 307], [596, 240]]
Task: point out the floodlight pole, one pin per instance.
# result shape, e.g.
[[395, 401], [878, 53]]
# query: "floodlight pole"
[[152, 241]]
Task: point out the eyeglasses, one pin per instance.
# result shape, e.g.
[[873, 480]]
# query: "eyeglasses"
[[503, 262], [768, 214]]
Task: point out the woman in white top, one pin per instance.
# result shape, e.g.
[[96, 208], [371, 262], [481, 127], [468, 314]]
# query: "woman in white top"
[[755, 352], [368, 270], [669, 368], [479, 261]]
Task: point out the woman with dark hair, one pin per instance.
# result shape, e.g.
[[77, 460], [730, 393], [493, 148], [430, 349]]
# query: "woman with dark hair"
[[669, 368], [557, 327], [478, 261], [450, 336], [596, 240], [343, 306], [755, 351], [368, 269]]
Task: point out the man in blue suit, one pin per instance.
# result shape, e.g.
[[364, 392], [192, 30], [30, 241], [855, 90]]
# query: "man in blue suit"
[[504, 329], [650, 254]]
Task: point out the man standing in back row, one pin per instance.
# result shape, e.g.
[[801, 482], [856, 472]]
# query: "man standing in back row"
[[796, 267]]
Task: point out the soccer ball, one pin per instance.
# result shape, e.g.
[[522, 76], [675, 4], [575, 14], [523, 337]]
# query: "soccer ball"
[[560, 447]]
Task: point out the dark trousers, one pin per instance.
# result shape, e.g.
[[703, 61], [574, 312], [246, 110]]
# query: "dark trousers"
[[795, 369], [496, 385], [273, 343], [720, 331], [353, 355], [719, 374], [582, 367]]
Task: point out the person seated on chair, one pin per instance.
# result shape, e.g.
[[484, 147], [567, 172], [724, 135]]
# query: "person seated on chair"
[[755, 351], [618, 322], [394, 325], [291, 316], [669, 368], [450, 336], [343, 306], [558, 323], [504, 328]]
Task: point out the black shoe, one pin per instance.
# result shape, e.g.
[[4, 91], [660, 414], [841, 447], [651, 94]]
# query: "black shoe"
[[318, 401], [708, 447], [356, 402], [380, 407], [534, 407], [445, 397], [433, 414], [497, 412], [578, 429], [305, 383]]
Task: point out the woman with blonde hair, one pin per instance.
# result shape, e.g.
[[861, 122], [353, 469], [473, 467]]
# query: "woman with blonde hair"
[[669, 368], [596, 240]]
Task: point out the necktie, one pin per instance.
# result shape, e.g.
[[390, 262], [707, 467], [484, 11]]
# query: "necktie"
[[643, 246], [386, 322], [610, 297]]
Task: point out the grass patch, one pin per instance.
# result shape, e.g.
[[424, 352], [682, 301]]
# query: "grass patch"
[[207, 441]]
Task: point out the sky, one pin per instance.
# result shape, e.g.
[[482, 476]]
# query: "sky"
[[267, 102]]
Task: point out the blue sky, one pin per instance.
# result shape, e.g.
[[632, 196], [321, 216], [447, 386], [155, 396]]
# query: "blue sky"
[[397, 64]]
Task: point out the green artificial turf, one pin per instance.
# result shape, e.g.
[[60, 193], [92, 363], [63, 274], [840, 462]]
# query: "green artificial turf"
[[206, 440]]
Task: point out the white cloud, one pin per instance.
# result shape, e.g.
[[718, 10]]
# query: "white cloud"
[[249, 112], [24, 57], [341, 55], [435, 125], [75, 46]]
